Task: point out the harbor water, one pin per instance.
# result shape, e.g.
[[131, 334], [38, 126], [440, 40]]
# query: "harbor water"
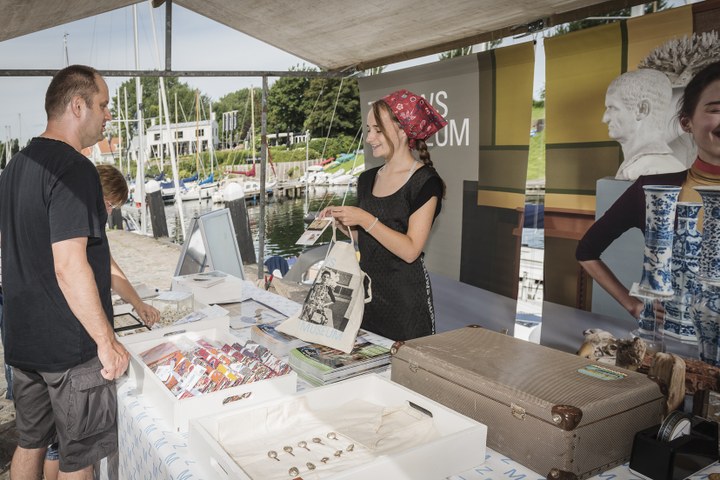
[[284, 217]]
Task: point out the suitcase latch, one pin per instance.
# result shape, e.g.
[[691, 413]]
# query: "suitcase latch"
[[517, 411], [413, 367]]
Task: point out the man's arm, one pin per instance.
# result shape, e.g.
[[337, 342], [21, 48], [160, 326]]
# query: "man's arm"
[[122, 286], [77, 283]]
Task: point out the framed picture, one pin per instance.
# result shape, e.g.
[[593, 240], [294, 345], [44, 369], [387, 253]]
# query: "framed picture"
[[251, 312], [126, 321]]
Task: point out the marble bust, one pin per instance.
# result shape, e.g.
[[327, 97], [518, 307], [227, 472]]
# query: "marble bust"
[[637, 106]]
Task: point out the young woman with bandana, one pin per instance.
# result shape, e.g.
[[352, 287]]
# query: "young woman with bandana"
[[397, 205], [699, 115]]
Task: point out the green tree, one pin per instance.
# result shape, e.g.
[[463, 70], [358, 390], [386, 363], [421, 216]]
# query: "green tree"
[[288, 106], [323, 92]]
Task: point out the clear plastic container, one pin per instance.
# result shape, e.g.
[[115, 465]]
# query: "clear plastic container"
[[173, 305]]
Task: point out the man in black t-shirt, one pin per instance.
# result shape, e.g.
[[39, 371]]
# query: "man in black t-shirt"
[[56, 285]]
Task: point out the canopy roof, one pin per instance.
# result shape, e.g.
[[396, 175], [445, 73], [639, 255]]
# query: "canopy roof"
[[339, 34]]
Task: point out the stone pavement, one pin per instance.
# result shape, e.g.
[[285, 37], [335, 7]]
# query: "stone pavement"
[[143, 259]]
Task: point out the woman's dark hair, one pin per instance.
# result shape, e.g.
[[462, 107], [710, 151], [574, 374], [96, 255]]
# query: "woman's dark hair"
[[68, 82], [695, 88], [423, 154]]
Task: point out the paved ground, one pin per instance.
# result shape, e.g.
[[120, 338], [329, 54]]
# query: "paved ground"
[[143, 259]]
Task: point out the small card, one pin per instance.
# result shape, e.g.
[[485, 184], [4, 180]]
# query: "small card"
[[314, 231]]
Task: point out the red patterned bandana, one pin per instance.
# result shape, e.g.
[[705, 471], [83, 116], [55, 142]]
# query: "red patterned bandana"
[[418, 119]]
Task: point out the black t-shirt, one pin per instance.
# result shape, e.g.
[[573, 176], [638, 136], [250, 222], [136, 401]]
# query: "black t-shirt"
[[48, 193]]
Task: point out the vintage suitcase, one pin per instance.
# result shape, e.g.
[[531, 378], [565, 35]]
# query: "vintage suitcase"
[[556, 413]]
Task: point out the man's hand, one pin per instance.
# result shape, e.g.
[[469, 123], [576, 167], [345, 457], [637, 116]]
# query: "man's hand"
[[114, 359], [147, 313]]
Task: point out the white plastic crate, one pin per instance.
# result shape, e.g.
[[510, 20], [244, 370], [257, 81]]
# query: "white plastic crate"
[[177, 412], [459, 446]]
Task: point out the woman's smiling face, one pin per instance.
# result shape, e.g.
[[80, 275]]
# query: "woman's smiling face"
[[382, 146], [705, 124]]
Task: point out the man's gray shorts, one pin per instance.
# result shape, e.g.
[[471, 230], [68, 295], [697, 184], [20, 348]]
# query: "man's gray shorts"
[[77, 407]]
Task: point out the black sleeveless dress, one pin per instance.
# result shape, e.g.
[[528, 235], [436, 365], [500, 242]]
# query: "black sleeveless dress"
[[401, 306]]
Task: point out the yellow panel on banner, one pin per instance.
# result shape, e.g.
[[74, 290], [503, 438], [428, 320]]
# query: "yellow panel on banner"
[[506, 81], [514, 70], [579, 67], [647, 32]]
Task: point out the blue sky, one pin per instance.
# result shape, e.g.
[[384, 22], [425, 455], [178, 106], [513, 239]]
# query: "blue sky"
[[107, 42]]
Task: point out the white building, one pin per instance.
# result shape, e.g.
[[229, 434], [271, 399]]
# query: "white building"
[[189, 137]]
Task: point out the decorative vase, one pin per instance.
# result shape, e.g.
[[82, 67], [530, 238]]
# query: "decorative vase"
[[705, 312], [687, 245], [660, 203]]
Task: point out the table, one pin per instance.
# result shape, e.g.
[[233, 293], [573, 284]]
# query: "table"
[[150, 450]]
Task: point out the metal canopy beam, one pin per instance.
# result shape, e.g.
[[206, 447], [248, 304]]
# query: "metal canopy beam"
[[179, 73]]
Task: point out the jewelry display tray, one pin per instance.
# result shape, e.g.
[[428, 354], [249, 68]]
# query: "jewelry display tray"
[[459, 445], [177, 413]]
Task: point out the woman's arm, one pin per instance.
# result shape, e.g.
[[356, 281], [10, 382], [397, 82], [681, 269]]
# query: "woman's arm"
[[600, 272], [407, 246]]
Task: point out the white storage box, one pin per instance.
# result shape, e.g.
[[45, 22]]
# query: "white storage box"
[[210, 287], [177, 412], [458, 443]]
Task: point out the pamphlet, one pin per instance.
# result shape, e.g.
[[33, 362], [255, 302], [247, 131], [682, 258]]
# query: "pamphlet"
[[314, 231]]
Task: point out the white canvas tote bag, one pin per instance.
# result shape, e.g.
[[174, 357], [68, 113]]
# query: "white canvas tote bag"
[[333, 309]]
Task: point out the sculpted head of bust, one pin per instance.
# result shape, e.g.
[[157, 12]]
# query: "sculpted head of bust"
[[637, 103], [637, 106]]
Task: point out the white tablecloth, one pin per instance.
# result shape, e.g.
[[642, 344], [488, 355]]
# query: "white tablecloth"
[[150, 450]]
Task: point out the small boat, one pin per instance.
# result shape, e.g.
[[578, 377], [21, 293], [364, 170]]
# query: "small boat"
[[344, 179]]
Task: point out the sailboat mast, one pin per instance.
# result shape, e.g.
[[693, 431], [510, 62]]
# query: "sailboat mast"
[[127, 130], [197, 131], [120, 128], [173, 158], [140, 179], [252, 122], [161, 145]]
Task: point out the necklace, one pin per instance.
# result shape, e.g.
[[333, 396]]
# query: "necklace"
[[412, 169]]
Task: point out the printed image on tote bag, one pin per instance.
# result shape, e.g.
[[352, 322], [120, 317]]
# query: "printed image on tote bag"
[[333, 309]]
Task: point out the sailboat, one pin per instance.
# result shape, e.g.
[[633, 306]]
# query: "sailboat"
[[200, 189], [246, 178]]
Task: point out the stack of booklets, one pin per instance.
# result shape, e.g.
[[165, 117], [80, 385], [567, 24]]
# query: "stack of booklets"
[[278, 343], [321, 365]]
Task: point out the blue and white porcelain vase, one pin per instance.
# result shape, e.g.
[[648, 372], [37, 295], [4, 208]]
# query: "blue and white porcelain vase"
[[660, 204], [687, 246], [705, 312]]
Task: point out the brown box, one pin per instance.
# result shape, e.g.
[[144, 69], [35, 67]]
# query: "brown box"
[[556, 413]]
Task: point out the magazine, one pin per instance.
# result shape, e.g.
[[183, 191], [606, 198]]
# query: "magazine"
[[321, 365], [277, 342]]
